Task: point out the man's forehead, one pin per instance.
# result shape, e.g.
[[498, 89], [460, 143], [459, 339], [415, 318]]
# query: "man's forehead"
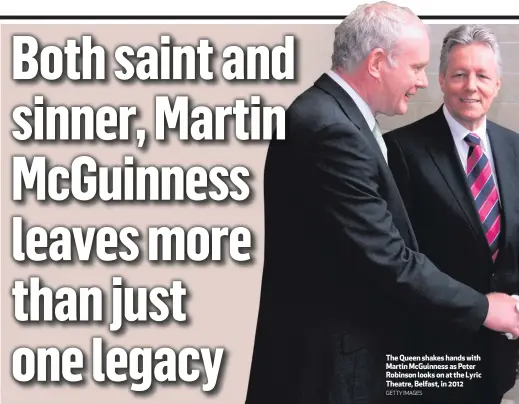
[[483, 58], [415, 31]]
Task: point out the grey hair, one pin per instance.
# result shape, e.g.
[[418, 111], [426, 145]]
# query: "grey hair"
[[369, 26], [465, 35]]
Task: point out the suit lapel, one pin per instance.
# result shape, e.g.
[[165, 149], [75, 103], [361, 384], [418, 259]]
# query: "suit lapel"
[[445, 155], [348, 106], [327, 84], [506, 174]]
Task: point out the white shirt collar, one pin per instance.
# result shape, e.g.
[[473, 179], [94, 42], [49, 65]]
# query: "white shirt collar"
[[359, 101], [459, 131]]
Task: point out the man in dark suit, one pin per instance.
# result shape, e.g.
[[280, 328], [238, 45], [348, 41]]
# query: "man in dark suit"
[[458, 174], [343, 281]]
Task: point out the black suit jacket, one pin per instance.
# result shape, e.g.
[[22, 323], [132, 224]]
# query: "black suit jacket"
[[342, 281], [433, 184]]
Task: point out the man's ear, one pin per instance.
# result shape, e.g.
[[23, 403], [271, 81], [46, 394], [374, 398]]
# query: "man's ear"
[[498, 87], [375, 62], [441, 79]]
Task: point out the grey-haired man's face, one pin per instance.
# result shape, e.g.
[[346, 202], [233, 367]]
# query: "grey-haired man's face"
[[401, 82]]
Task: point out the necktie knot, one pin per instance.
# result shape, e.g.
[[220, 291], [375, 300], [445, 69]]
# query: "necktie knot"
[[380, 140], [472, 139], [376, 129]]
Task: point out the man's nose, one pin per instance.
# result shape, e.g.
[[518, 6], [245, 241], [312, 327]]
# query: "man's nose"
[[423, 81], [470, 83]]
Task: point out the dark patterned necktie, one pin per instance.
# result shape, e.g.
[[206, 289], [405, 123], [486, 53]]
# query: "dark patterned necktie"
[[484, 190]]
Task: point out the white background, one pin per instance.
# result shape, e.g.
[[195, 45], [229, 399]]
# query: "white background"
[[241, 7]]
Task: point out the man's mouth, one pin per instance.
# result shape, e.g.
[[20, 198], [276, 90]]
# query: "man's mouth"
[[468, 100]]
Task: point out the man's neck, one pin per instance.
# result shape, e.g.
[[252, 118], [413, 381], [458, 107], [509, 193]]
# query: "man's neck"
[[356, 82]]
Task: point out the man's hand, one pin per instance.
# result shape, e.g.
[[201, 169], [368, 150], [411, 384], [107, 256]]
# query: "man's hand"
[[502, 314]]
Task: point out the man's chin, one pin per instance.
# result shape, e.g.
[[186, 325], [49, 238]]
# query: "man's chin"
[[402, 110], [469, 118]]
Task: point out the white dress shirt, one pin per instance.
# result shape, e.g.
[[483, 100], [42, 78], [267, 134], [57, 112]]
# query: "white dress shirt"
[[459, 132], [364, 109]]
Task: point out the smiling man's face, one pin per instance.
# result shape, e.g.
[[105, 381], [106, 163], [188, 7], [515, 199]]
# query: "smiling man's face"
[[470, 83]]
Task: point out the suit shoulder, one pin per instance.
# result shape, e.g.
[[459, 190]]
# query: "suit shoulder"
[[512, 135], [409, 133], [315, 109]]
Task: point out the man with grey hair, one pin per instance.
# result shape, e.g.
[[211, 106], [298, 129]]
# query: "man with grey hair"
[[343, 281], [457, 172]]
